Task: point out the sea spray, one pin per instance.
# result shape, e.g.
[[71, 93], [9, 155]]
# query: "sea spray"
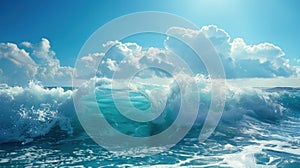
[[33, 111]]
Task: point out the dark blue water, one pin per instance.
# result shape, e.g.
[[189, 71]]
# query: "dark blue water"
[[259, 128]]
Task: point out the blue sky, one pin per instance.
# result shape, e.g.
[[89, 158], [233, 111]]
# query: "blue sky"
[[40, 40], [68, 24]]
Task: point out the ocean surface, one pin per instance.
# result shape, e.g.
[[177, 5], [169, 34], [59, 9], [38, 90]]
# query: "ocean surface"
[[260, 127]]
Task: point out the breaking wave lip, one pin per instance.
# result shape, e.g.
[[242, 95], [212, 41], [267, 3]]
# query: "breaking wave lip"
[[33, 111]]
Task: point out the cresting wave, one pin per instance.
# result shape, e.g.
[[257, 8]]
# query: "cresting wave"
[[34, 111]]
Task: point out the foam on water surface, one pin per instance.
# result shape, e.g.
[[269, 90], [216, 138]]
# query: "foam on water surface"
[[258, 128]]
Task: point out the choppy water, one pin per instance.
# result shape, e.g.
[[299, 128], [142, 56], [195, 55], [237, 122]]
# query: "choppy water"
[[259, 128]]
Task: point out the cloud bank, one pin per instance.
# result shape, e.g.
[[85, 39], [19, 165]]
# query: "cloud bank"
[[19, 66], [21, 63], [129, 57], [241, 60]]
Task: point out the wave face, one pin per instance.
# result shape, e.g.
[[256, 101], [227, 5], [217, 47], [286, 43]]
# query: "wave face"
[[260, 125]]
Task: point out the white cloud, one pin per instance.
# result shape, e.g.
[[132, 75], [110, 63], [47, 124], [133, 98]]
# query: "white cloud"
[[92, 60], [49, 70], [111, 65], [263, 51], [267, 60], [218, 37], [16, 64], [241, 60], [87, 65], [27, 44], [19, 66], [121, 56]]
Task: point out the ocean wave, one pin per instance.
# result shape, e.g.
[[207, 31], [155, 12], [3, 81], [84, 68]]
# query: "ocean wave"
[[33, 111], [29, 112]]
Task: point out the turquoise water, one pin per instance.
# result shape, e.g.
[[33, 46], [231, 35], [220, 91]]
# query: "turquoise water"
[[259, 128]]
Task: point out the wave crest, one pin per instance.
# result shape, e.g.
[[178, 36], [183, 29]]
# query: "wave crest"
[[28, 112], [33, 111]]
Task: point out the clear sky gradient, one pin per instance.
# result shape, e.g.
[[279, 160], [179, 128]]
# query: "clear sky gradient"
[[68, 24]]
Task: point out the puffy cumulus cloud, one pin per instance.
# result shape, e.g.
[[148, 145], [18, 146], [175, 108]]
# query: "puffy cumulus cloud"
[[37, 63], [17, 67], [262, 60], [218, 37], [49, 70], [135, 58], [105, 64], [89, 64], [263, 52], [122, 53], [111, 65], [241, 60], [129, 57]]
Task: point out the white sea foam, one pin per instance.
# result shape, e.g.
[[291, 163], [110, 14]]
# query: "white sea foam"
[[28, 112], [32, 111]]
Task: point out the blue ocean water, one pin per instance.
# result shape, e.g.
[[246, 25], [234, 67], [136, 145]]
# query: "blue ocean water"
[[259, 128]]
